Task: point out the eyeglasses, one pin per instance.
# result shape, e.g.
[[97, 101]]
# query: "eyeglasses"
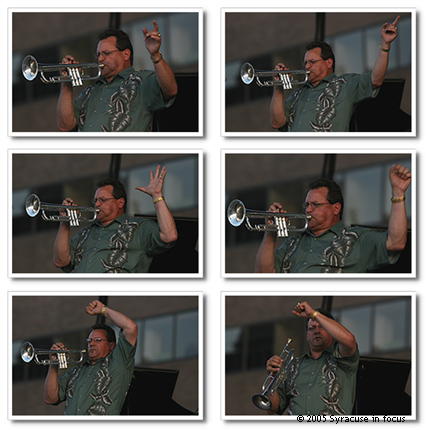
[[96, 340], [105, 53], [102, 200], [312, 62], [314, 205]]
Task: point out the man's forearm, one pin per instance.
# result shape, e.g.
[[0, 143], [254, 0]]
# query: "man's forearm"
[[61, 247], [277, 109], [167, 226], [397, 227], [264, 262], [166, 79], [65, 118], [128, 326], [346, 340], [51, 386]]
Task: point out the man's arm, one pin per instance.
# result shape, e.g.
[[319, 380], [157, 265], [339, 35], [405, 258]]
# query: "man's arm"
[[347, 344], [61, 247], [264, 262], [65, 118], [400, 178], [128, 326], [388, 34], [165, 75], [277, 107], [168, 232], [51, 390]]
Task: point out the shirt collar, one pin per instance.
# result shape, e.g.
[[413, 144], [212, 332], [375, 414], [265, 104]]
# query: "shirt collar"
[[336, 229], [329, 350], [329, 78], [124, 74], [120, 219]]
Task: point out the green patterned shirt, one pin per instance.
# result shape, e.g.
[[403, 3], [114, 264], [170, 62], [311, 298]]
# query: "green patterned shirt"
[[328, 106], [126, 245], [323, 386], [100, 388], [127, 103], [338, 250]]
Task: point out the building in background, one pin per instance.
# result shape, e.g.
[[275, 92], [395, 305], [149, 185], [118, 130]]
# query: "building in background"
[[267, 38], [56, 34], [168, 344], [259, 179], [257, 327], [55, 176]]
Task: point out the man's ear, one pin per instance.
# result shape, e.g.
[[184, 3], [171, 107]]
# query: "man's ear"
[[126, 53], [112, 345], [337, 208]]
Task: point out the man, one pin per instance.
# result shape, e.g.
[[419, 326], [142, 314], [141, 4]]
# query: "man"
[[327, 101], [322, 381], [98, 386], [122, 99], [328, 246], [117, 243]]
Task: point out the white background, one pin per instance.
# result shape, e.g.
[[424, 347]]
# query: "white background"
[[212, 143]]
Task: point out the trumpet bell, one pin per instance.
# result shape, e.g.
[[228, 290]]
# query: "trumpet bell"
[[29, 68], [27, 352], [32, 205], [247, 73], [236, 213], [261, 401]]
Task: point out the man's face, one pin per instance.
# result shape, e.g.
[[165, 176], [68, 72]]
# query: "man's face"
[[318, 339], [317, 66], [325, 215], [109, 208], [99, 349], [116, 61]]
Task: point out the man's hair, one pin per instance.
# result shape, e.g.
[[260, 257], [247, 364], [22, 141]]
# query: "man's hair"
[[321, 311], [110, 333], [122, 40], [119, 190], [334, 191], [325, 51]]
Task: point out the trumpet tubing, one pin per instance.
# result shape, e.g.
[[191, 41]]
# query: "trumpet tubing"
[[29, 353], [237, 214], [287, 78], [75, 72], [33, 206]]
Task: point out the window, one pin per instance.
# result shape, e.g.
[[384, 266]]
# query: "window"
[[167, 337], [376, 327]]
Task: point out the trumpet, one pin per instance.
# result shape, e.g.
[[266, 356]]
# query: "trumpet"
[[262, 401], [288, 78], [28, 353], [33, 206], [237, 213], [76, 76]]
